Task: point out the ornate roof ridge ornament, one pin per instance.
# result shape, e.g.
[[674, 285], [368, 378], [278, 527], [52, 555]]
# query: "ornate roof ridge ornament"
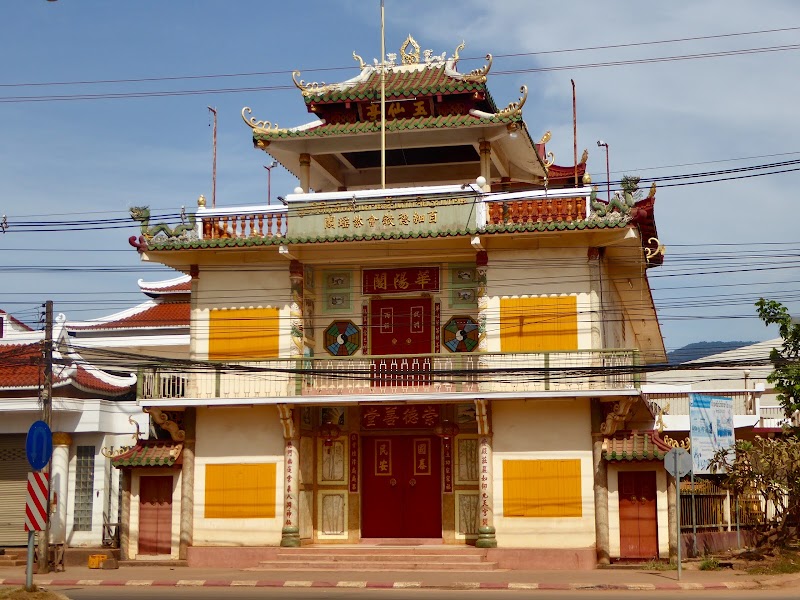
[[546, 137], [584, 156], [515, 108], [313, 88], [114, 452], [456, 56], [361, 64], [253, 123], [479, 75]]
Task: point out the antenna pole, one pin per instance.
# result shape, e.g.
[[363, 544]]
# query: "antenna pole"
[[383, 99], [575, 131], [214, 163]]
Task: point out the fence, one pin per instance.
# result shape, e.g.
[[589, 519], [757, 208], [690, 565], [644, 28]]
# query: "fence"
[[715, 508]]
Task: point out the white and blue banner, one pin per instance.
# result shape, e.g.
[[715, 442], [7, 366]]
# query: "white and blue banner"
[[711, 424]]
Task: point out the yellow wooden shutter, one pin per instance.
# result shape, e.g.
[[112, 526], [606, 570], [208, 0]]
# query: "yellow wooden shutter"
[[539, 324], [243, 334], [240, 491], [542, 488]]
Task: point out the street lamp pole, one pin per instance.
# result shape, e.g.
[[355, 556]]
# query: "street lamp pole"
[[269, 180], [601, 143]]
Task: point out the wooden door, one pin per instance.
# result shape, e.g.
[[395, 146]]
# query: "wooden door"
[[402, 489], [155, 515], [638, 523]]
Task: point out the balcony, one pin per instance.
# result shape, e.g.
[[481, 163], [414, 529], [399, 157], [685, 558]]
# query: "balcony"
[[476, 211], [587, 370]]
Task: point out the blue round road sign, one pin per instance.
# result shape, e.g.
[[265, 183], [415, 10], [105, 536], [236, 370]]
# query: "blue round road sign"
[[39, 445]]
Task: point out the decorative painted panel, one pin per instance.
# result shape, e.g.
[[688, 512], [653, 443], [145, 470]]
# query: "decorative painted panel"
[[337, 295], [342, 338], [463, 285], [467, 514], [332, 515], [467, 460], [332, 463], [461, 334]]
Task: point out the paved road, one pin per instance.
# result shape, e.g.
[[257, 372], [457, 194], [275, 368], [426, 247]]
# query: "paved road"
[[359, 594]]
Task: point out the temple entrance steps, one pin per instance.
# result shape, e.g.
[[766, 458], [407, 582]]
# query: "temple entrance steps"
[[379, 558]]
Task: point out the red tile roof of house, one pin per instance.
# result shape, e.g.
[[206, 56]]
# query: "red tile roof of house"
[[20, 369], [147, 315], [177, 285]]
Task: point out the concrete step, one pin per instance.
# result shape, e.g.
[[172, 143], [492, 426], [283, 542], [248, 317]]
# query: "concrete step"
[[365, 550], [380, 557], [6, 561], [362, 565], [144, 562]]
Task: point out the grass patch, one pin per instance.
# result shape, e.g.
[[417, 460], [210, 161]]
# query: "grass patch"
[[21, 594], [786, 562], [709, 563], [659, 565]]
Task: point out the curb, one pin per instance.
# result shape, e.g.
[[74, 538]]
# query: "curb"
[[677, 585]]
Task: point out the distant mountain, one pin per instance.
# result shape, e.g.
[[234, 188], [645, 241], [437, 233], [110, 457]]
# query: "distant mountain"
[[701, 350]]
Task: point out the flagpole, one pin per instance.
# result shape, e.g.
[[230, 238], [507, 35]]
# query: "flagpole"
[[383, 100]]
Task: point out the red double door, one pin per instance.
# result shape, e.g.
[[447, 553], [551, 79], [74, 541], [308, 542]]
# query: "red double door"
[[402, 487], [401, 326], [638, 523], [155, 515]]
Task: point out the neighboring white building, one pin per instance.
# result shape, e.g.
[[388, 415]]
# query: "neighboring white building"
[[93, 410]]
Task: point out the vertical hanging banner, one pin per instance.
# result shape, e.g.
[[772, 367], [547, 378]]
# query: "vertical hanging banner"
[[711, 428]]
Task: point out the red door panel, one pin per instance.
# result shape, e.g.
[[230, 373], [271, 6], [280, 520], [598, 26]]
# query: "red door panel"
[[402, 493], [401, 326], [638, 524], [155, 515]]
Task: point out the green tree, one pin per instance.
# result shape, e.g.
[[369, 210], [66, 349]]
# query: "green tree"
[[786, 359]]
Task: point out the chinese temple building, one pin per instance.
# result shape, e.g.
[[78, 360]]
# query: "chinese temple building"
[[450, 359]]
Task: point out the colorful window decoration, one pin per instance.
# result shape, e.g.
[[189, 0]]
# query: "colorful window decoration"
[[461, 334], [342, 338]]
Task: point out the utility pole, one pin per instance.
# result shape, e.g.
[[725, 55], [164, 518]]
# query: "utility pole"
[[47, 417]]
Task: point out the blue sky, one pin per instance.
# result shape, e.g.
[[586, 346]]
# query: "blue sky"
[[96, 158]]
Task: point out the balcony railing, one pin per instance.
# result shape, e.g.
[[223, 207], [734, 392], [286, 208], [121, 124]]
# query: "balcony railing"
[[242, 222], [380, 375]]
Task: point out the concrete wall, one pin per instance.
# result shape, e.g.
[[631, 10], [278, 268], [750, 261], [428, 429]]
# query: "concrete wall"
[[537, 430], [232, 436], [661, 503]]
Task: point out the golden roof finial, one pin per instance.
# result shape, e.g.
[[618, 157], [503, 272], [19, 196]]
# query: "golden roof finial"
[[410, 58], [545, 138], [201, 201], [459, 48], [584, 156]]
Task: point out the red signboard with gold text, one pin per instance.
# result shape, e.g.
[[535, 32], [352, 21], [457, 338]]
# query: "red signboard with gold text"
[[414, 416], [395, 281]]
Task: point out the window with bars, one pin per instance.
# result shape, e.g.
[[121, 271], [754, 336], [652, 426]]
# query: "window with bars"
[[84, 488]]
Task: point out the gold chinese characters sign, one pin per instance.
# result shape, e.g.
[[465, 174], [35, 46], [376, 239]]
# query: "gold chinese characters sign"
[[389, 281], [355, 218], [417, 416]]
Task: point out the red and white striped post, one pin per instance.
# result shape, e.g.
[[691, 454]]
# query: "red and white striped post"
[[35, 517]]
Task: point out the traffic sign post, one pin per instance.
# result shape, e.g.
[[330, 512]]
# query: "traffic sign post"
[[39, 445], [38, 450], [678, 462]]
